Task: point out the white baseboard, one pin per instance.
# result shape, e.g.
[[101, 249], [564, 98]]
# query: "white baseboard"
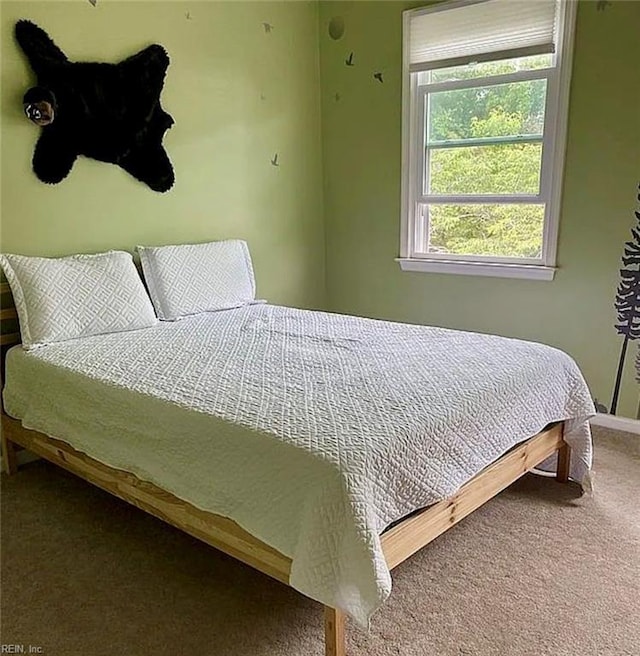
[[617, 423]]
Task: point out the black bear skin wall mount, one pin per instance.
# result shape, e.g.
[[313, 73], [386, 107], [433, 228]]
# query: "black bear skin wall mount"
[[110, 112]]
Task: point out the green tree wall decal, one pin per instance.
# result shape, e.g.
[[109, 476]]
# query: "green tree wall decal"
[[628, 302]]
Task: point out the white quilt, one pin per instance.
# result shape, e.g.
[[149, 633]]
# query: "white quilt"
[[313, 431]]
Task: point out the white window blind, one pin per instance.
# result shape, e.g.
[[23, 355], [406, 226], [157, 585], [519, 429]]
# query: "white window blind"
[[457, 33]]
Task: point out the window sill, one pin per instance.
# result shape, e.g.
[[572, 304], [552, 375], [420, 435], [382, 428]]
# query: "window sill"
[[493, 269]]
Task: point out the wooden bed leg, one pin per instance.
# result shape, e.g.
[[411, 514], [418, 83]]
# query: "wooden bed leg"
[[564, 462], [9, 460], [334, 643]]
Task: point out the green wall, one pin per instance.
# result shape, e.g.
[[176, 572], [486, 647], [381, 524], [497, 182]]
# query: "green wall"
[[238, 95], [361, 156]]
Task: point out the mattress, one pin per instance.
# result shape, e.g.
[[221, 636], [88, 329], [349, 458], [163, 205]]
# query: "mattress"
[[313, 431]]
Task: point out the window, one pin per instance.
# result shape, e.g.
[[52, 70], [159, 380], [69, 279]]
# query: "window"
[[485, 104]]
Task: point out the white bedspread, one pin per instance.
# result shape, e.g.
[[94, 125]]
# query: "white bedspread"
[[313, 431]]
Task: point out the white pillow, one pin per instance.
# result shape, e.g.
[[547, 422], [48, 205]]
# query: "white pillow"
[[64, 298], [194, 278]]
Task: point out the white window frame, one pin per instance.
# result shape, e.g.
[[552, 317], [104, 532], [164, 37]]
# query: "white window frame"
[[553, 151]]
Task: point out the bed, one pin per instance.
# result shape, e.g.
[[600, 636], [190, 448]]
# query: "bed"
[[295, 441]]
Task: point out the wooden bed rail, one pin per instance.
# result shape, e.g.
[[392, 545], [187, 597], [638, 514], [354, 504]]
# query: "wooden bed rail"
[[404, 539], [215, 530]]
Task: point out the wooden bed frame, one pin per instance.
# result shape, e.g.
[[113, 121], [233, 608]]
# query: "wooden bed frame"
[[398, 543]]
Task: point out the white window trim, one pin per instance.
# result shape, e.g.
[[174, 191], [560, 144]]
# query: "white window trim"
[[468, 268], [554, 147]]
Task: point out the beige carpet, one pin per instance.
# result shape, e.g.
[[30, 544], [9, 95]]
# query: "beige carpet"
[[536, 572]]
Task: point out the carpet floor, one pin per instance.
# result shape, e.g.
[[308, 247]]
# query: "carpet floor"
[[537, 571]]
